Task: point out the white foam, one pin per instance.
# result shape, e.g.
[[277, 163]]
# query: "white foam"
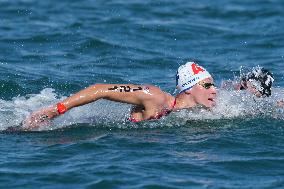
[[235, 104], [13, 112], [230, 104]]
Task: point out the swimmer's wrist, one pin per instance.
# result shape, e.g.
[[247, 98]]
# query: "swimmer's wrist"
[[61, 108]]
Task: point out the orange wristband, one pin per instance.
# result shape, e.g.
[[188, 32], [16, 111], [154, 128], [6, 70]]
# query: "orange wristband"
[[61, 108]]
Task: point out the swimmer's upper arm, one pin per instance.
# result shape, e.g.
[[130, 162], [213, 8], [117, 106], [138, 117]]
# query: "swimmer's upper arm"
[[125, 93], [128, 93]]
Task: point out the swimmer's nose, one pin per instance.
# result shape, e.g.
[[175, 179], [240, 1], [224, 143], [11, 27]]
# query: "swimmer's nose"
[[213, 90]]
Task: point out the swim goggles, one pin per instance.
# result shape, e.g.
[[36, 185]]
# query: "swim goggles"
[[206, 85]]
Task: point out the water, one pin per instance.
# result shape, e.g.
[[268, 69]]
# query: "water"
[[51, 49]]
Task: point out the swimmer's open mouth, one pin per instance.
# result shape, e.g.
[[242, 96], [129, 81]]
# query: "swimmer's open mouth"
[[211, 99]]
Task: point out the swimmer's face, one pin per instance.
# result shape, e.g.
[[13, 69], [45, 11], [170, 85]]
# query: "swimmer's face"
[[204, 93], [251, 88]]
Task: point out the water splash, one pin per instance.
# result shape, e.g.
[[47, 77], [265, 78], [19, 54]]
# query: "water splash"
[[239, 104], [230, 105]]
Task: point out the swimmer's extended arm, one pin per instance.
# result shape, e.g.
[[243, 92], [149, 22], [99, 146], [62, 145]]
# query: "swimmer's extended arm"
[[126, 93]]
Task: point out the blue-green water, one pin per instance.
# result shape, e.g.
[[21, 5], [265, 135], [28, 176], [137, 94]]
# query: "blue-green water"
[[51, 49]]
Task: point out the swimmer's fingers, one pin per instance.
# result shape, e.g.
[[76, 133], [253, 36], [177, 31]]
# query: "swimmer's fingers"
[[39, 118], [35, 121], [43, 118], [280, 103], [224, 84], [229, 85]]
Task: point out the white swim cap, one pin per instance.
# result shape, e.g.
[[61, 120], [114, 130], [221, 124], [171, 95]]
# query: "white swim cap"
[[188, 75]]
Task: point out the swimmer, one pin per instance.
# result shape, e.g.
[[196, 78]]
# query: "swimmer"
[[194, 84], [258, 82]]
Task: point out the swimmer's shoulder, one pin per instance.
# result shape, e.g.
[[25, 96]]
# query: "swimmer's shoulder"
[[152, 89], [156, 94]]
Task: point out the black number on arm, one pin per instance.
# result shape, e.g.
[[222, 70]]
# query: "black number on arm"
[[113, 89], [138, 89], [124, 89]]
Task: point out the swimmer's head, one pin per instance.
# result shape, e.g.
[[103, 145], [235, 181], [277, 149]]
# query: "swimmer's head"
[[258, 81], [189, 75], [196, 84]]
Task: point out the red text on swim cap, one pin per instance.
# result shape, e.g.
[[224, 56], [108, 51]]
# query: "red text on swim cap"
[[196, 69]]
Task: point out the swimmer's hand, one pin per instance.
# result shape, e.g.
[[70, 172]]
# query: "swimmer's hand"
[[40, 118], [226, 84], [280, 103], [230, 85]]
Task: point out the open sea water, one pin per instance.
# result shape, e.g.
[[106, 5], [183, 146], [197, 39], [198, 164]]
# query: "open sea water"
[[51, 49]]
